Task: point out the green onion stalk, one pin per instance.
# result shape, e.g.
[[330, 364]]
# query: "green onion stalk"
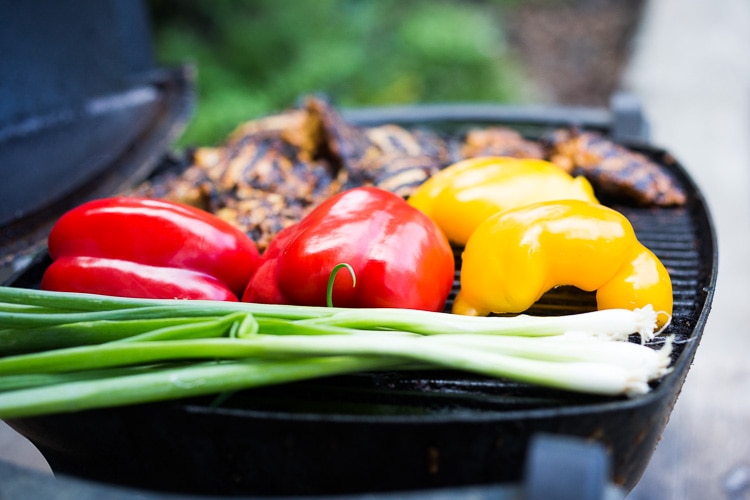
[[62, 352]]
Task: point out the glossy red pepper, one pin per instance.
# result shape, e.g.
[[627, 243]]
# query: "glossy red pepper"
[[156, 233], [399, 256], [129, 279]]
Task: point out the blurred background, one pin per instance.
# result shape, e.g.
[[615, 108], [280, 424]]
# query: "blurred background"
[[258, 57]]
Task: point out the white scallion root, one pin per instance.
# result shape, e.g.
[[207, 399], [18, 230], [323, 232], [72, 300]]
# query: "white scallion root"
[[658, 366]]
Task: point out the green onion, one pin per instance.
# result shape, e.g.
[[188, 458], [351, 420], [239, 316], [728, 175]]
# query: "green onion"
[[165, 383], [332, 277], [615, 324], [67, 352], [423, 349]]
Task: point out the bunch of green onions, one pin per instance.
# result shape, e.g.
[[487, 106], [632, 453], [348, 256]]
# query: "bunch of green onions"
[[62, 352]]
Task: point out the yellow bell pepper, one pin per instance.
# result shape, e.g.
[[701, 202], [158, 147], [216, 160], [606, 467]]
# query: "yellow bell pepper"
[[515, 256], [461, 196]]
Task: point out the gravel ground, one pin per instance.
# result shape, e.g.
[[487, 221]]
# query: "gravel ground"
[[574, 50]]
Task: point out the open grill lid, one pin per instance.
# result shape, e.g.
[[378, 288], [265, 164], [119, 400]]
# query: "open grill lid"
[[84, 111]]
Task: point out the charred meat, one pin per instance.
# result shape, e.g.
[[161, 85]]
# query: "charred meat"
[[389, 156], [273, 170], [265, 177], [499, 141], [614, 171]]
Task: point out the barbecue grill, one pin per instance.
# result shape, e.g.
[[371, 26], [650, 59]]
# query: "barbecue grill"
[[372, 432]]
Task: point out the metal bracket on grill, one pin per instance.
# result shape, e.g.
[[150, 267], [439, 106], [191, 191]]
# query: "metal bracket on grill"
[[559, 467], [628, 123]]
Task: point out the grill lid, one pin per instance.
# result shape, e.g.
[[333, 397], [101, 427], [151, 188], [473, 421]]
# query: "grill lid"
[[83, 110]]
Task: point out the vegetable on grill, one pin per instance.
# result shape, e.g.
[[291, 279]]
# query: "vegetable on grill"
[[399, 256], [62, 352], [123, 278], [148, 248], [616, 172], [463, 195], [515, 256]]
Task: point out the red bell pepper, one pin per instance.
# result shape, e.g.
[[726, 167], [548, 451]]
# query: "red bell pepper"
[[157, 233], [399, 256], [129, 279]]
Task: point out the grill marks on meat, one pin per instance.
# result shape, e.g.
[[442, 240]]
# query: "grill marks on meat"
[[262, 214], [272, 165], [264, 178], [613, 170], [389, 156], [499, 141], [396, 173], [396, 159], [265, 186], [274, 170], [404, 159], [269, 174]]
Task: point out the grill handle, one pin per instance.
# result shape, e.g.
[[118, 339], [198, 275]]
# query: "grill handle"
[[629, 125]]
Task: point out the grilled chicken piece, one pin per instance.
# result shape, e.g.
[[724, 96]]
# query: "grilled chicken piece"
[[191, 186], [399, 160], [389, 156], [393, 139], [396, 173], [499, 141], [341, 142], [262, 214], [613, 170], [266, 176], [274, 170], [297, 128], [273, 165], [269, 174]]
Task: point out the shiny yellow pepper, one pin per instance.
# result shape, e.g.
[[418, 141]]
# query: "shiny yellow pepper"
[[515, 256], [461, 196]]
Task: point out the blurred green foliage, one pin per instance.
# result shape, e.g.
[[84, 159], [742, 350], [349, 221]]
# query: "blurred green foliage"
[[258, 57]]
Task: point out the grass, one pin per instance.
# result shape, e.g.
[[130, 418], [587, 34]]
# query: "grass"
[[258, 57]]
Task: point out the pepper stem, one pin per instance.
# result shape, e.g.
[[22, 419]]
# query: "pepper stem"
[[332, 277]]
